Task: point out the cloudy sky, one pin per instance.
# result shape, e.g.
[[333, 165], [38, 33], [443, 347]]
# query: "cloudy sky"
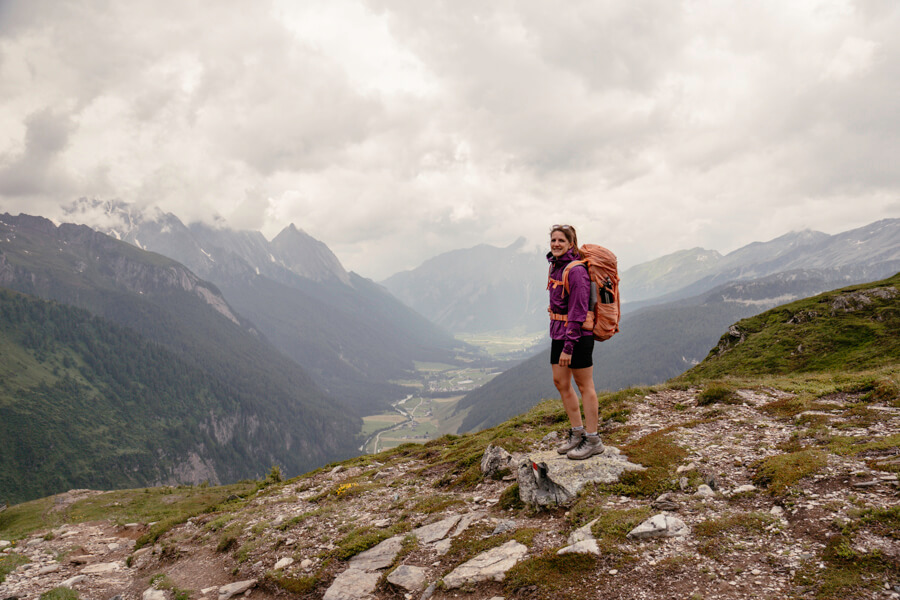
[[394, 130]]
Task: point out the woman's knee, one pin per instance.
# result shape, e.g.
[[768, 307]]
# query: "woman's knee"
[[563, 384]]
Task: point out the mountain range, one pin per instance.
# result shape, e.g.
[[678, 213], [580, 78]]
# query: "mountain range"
[[350, 333], [486, 288], [212, 400]]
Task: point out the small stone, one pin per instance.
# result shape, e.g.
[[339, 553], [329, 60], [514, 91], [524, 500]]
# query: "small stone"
[[582, 547], [48, 569], [336, 470], [704, 491], [661, 525], [306, 563], [776, 511], [504, 526], [744, 488], [756, 572], [382, 523], [685, 468], [153, 594], [71, 581], [208, 590], [613, 571], [683, 483], [284, 562], [5, 543]]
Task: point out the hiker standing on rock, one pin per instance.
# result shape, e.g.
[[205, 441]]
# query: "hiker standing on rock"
[[571, 352]]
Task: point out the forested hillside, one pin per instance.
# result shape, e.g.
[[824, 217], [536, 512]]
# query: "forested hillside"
[[86, 403], [276, 413]]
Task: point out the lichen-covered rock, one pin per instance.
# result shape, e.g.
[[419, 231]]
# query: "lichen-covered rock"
[[550, 479]]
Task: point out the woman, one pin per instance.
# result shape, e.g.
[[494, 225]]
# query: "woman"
[[572, 347]]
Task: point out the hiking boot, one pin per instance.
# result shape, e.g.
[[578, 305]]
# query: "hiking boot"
[[589, 446], [572, 441]]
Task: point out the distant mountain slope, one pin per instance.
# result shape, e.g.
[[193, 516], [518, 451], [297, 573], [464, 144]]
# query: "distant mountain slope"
[[862, 254], [351, 334], [478, 289], [655, 344], [856, 327], [282, 417]]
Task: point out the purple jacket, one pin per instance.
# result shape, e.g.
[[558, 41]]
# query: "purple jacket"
[[575, 303]]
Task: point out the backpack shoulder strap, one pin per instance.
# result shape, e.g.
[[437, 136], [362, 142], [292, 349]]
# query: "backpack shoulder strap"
[[574, 263]]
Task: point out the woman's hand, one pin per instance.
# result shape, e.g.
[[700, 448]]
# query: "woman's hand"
[[565, 359]]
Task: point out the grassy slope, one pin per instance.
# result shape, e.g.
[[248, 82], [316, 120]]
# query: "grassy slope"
[[849, 329]]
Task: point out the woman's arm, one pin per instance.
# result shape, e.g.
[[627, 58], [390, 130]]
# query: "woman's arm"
[[579, 299]]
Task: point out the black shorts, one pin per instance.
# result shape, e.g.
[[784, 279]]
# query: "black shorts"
[[582, 353]]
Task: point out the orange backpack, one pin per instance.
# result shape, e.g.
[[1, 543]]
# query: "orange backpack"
[[602, 266]]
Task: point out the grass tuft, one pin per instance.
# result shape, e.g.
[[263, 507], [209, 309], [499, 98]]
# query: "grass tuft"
[[780, 472]]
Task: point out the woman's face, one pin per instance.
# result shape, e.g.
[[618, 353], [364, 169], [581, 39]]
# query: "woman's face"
[[559, 245]]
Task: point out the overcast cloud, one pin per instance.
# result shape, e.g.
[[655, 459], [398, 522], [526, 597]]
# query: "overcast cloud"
[[394, 130]]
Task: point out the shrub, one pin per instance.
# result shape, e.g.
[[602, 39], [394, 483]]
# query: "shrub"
[[715, 393]]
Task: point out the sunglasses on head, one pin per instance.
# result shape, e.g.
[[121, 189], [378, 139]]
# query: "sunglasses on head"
[[560, 227]]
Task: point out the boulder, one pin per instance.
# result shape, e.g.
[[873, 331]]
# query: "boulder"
[[548, 478], [495, 461]]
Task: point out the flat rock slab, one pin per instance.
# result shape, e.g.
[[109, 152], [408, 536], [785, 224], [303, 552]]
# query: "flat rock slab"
[[102, 568], [233, 589], [490, 565], [436, 531], [379, 556], [353, 584], [550, 479], [408, 577]]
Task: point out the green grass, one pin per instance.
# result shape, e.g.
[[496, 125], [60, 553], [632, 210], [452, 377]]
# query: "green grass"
[[10, 562], [63, 593], [549, 572], [711, 533], [166, 506], [781, 472], [810, 335]]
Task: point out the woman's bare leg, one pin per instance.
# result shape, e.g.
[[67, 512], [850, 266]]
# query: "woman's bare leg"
[[562, 379], [584, 379]]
